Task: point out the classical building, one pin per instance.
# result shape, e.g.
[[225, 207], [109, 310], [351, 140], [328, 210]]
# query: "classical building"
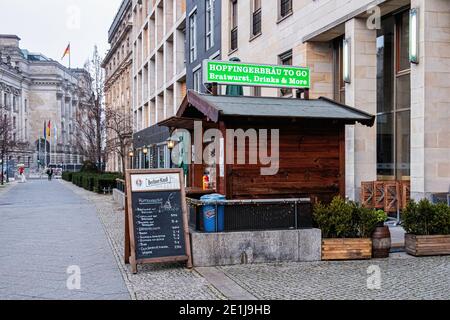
[[390, 60], [118, 98], [36, 90], [203, 39], [159, 75]]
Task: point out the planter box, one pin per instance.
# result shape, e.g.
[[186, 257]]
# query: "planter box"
[[346, 249], [427, 245]]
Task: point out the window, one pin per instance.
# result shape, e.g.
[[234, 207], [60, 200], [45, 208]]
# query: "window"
[[256, 17], [393, 100], [286, 60], [209, 24], [14, 123], [338, 74], [257, 91], [193, 37], [197, 80], [234, 26], [285, 8], [25, 106]]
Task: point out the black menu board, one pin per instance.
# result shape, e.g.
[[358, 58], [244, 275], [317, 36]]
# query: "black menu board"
[[158, 224], [157, 217]]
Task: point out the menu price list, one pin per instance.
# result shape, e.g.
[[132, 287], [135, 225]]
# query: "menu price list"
[[158, 224]]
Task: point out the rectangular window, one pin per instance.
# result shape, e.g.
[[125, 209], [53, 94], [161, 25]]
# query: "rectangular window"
[[285, 8], [234, 26], [209, 24], [256, 17], [257, 91], [197, 80], [285, 59], [193, 37], [393, 99]]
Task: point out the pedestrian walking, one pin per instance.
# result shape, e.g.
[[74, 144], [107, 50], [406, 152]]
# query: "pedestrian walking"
[[49, 174], [22, 174]]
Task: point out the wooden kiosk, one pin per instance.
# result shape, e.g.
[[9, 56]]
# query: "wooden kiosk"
[[311, 144]]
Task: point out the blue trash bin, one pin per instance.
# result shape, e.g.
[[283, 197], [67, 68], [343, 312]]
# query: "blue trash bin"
[[213, 221]]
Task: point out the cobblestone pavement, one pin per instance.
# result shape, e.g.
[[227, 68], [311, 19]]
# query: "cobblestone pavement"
[[44, 229], [156, 281], [402, 277]]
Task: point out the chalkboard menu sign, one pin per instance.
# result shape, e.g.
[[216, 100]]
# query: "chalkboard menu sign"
[[157, 217]]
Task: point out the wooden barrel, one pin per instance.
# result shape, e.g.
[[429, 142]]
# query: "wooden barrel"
[[381, 242]]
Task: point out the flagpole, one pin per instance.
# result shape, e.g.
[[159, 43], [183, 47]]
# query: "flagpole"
[[70, 53]]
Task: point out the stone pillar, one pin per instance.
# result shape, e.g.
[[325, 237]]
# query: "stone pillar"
[[319, 57], [430, 101], [361, 159]]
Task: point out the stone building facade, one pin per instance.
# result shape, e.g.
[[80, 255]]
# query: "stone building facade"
[[158, 75], [35, 90], [118, 94], [411, 140]]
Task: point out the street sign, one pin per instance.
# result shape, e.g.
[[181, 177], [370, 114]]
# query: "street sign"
[[157, 217], [249, 74]]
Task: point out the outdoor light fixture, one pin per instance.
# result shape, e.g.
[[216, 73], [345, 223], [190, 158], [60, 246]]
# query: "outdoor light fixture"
[[131, 154], [145, 150], [171, 143], [346, 60], [414, 35]]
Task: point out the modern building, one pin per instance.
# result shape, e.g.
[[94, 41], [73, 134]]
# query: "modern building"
[[203, 39], [118, 94], [389, 58], [35, 90], [158, 76]]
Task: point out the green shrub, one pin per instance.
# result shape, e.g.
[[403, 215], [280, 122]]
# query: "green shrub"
[[87, 181], [105, 181], [67, 176], [425, 218], [341, 219]]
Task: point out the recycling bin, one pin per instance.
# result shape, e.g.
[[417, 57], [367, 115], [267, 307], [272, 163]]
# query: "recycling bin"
[[213, 213]]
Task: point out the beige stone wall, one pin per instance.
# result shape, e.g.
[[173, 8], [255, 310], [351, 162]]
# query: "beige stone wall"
[[361, 92], [430, 101]]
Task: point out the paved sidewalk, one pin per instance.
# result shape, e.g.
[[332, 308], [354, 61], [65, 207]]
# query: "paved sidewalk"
[[44, 229]]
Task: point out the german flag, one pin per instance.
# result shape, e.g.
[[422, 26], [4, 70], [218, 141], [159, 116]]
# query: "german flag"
[[66, 52]]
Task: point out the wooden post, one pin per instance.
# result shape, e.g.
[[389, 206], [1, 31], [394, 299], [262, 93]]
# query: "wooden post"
[[127, 248], [214, 89]]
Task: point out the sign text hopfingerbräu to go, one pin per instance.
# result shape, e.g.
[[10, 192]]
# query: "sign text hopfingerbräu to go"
[[249, 74]]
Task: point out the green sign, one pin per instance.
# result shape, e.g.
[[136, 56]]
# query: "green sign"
[[246, 74]]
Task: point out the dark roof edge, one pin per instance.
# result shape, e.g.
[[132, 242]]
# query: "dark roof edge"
[[371, 118]]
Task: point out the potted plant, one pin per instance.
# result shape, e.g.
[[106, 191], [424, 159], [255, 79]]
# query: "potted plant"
[[346, 230], [381, 237], [427, 228]]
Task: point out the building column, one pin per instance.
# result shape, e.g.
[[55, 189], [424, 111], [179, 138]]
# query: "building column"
[[361, 143], [318, 56], [430, 100]]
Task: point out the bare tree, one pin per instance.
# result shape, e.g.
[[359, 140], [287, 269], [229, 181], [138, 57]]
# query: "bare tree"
[[90, 118], [8, 144], [119, 132]]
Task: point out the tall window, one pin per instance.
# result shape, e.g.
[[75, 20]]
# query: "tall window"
[[193, 37], [256, 17], [285, 59], [285, 8], [197, 80], [393, 100], [234, 25], [338, 74], [209, 24]]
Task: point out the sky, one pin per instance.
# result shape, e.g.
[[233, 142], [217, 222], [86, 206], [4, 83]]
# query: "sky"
[[47, 26]]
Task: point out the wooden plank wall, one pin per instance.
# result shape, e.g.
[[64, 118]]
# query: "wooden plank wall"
[[311, 164]]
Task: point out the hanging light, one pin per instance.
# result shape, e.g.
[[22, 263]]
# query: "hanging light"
[[346, 60], [414, 35]]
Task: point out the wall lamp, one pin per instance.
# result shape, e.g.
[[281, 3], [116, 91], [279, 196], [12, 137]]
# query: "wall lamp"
[[346, 58], [414, 35]]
